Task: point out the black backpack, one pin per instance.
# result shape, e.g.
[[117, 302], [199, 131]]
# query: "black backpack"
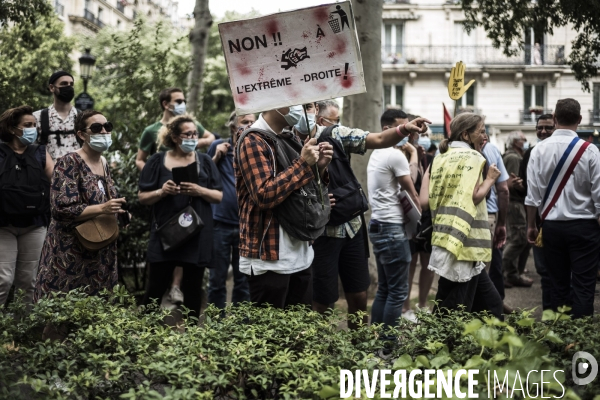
[[24, 186], [350, 200], [305, 213], [46, 132]]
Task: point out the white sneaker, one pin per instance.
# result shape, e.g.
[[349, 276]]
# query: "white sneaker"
[[410, 315], [175, 295]]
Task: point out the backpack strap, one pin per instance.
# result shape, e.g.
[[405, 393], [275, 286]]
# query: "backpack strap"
[[45, 124]]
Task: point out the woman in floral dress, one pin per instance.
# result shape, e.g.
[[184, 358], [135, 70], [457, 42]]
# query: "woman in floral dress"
[[79, 188]]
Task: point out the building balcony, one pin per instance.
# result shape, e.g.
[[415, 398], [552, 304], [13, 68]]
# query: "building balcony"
[[59, 8], [595, 116], [478, 55], [531, 115]]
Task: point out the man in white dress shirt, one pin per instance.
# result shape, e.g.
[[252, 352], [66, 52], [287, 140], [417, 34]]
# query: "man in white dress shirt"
[[571, 229]]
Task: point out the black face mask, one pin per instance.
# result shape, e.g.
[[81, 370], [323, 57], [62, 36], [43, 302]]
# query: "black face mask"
[[66, 94]]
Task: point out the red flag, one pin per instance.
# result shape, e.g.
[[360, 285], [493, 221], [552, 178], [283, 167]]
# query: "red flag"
[[447, 119]]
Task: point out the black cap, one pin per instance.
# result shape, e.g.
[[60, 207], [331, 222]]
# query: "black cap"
[[57, 75]]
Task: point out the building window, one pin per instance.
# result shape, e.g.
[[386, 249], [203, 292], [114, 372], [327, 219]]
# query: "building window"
[[86, 5], [391, 41], [119, 24], [534, 102], [392, 96], [467, 102], [100, 12]]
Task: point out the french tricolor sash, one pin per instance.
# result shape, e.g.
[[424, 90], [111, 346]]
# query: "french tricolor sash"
[[563, 171]]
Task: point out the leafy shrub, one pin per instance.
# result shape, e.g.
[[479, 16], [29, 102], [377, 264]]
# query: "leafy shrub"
[[117, 350]]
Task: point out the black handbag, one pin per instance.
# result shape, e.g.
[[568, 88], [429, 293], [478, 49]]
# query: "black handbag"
[[181, 227]]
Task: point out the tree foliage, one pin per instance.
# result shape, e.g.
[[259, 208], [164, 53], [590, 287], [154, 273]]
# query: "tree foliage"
[[30, 52], [24, 10], [505, 22]]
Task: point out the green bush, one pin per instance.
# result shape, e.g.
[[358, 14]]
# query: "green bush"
[[116, 350]]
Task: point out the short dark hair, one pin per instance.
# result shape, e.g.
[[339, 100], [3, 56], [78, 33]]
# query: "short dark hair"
[[544, 117], [173, 128], [81, 122], [389, 116], [567, 111], [10, 119], [165, 95]]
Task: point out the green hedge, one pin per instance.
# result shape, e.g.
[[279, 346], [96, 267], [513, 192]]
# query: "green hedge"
[[115, 349]]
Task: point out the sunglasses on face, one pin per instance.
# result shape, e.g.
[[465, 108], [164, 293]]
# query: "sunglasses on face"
[[97, 127], [547, 128], [179, 101]]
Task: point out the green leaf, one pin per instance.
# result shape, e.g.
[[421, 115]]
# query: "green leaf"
[[328, 392], [472, 326], [423, 361], [403, 362], [439, 360], [474, 362], [526, 322], [553, 337], [548, 315]]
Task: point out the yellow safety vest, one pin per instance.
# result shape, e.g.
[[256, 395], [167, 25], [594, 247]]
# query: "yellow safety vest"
[[459, 226]]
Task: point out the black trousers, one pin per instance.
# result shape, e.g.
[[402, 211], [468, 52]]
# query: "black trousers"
[[281, 290], [478, 294], [159, 280], [571, 253], [496, 275]]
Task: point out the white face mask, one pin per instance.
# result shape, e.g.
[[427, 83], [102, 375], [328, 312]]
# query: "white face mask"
[[179, 109], [100, 142], [301, 125], [293, 116]]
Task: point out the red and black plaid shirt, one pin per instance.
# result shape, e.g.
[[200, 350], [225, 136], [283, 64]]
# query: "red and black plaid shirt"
[[259, 191]]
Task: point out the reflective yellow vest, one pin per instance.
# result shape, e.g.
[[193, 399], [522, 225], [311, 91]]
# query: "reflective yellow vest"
[[459, 226]]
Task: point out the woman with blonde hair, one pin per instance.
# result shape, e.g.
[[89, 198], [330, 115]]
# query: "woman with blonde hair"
[[168, 199], [455, 189]]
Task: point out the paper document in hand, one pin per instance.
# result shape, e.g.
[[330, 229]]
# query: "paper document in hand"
[[412, 216]]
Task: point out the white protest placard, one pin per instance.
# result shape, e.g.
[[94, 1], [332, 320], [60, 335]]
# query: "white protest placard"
[[293, 57]]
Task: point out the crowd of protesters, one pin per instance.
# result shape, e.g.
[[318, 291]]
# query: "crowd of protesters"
[[278, 201]]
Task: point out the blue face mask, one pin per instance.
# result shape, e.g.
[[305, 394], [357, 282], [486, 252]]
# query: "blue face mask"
[[525, 146], [179, 109], [425, 142], [100, 142], [188, 145], [402, 142], [293, 116], [29, 135], [301, 125]]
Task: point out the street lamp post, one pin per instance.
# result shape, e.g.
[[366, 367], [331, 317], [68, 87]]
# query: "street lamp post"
[[86, 64]]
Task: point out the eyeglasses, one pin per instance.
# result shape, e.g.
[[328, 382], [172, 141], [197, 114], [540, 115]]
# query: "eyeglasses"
[[547, 128], [332, 122], [188, 134], [97, 127]]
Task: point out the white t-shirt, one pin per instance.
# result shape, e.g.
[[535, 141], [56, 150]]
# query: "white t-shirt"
[[385, 166]]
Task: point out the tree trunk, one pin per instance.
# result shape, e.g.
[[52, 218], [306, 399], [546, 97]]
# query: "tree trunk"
[[199, 43], [364, 110]]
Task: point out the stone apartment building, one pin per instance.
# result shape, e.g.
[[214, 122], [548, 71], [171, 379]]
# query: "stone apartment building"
[[423, 39], [87, 17]]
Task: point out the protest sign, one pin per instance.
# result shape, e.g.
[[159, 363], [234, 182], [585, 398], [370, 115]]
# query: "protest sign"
[[293, 57]]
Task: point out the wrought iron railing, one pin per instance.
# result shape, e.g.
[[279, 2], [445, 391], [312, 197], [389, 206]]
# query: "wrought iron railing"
[[87, 14], [530, 116], [59, 8], [482, 55]]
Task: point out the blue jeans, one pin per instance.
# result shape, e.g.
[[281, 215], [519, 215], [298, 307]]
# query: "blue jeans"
[[392, 253], [226, 240]]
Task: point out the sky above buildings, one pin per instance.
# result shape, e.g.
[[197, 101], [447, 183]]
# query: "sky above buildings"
[[218, 7]]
